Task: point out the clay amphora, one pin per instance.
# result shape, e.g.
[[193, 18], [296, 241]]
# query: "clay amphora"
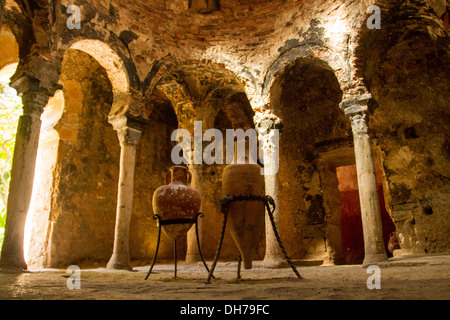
[[245, 218], [393, 243], [176, 200]]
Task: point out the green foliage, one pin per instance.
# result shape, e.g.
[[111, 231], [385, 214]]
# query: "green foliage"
[[10, 110]]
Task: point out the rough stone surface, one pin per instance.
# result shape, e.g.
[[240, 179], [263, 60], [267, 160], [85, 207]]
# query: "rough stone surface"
[[165, 63], [407, 278]]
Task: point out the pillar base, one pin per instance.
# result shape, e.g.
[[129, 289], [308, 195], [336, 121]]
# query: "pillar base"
[[119, 262], [379, 259], [274, 261], [13, 263]]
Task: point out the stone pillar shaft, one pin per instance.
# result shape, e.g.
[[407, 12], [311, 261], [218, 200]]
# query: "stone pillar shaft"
[[273, 256], [22, 177], [374, 251], [268, 129], [128, 138]]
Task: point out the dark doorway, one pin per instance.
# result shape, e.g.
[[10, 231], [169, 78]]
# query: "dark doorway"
[[352, 232]]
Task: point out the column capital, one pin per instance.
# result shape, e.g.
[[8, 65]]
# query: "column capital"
[[26, 82], [359, 123], [37, 73], [127, 120], [129, 136], [128, 128], [268, 122], [34, 97], [133, 116], [356, 105]]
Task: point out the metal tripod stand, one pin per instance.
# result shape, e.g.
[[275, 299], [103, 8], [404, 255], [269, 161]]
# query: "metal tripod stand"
[[270, 206], [160, 223]]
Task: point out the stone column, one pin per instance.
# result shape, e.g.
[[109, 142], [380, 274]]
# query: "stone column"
[[128, 136], [34, 100], [331, 201], [374, 251], [192, 253], [269, 128]]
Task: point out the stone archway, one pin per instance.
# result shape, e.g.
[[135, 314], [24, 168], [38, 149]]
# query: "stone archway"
[[306, 96], [115, 70], [83, 171], [153, 159], [215, 96], [333, 61]]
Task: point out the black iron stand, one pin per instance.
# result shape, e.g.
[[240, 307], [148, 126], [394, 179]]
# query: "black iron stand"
[[160, 223], [270, 206]]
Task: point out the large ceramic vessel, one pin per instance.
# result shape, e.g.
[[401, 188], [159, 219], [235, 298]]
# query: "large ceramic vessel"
[[393, 243], [176, 200], [245, 218]]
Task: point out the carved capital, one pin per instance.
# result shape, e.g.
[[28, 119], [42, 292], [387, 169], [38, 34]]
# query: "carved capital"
[[268, 122], [356, 105], [37, 73], [25, 82], [133, 116], [129, 136], [358, 110], [359, 123], [128, 129], [34, 98], [127, 121], [34, 103]]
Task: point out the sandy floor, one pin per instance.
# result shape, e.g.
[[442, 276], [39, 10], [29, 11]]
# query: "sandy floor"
[[418, 277]]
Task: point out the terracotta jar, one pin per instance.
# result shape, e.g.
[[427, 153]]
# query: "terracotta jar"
[[393, 243], [176, 200], [245, 218]]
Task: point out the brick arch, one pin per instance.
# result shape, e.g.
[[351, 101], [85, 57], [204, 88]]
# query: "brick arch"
[[116, 71], [196, 90], [327, 55], [235, 77]]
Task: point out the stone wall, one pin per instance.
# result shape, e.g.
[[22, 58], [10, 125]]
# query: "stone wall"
[[294, 59], [306, 95], [408, 76], [84, 189], [414, 143]]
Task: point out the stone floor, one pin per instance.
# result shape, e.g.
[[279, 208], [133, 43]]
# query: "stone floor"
[[406, 277]]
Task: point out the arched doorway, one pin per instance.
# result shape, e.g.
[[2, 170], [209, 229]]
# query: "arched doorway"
[[215, 97], [74, 200], [153, 159], [315, 143]]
